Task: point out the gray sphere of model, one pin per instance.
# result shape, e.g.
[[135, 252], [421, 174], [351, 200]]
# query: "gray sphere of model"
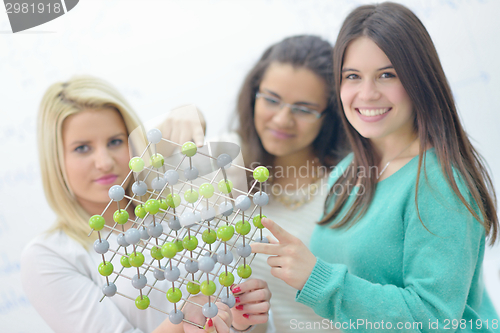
[[191, 266], [176, 317], [172, 177], [207, 214], [158, 183], [191, 173], [172, 273], [155, 230], [116, 193], [101, 246], [224, 160], [122, 241], [144, 233], [213, 256], [159, 275], [132, 236], [225, 258], [225, 208], [229, 301], [139, 188], [174, 223], [244, 251], [187, 219], [154, 135], [109, 289], [262, 240], [260, 199], [242, 202], [206, 264], [139, 282], [210, 310]]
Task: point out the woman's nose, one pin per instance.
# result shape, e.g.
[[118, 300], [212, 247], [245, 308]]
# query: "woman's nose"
[[368, 91], [104, 160], [283, 116]]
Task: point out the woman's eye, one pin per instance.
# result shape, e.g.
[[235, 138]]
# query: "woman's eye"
[[351, 76], [82, 149], [387, 75], [271, 100], [115, 142]]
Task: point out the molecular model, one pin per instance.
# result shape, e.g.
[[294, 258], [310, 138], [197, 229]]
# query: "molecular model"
[[196, 244]]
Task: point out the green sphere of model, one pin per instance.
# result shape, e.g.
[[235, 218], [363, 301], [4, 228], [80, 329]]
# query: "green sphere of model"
[[225, 232], [261, 174], [174, 295], [226, 279], [97, 222], [225, 186], [191, 196], [178, 244], [136, 259], [209, 236], [243, 227], [105, 268], [207, 190], [208, 289], [193, 288], [152, 206], [157, 160], [169, 250], [156, 253], [125, 262], [244, 271], [173, 200], [136, 164], [140, 211], [257, 221], [190, 243], [120, 216], [189, 149], [143, 303], [163, 204]]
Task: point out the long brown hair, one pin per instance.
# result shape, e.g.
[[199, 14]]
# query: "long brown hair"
[[306, 51], [407, 44]]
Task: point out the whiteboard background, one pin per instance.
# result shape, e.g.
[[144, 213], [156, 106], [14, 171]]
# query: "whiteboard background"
[[161, 54]]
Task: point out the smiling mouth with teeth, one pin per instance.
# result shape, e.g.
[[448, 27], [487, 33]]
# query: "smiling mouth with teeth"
[[373, 112]]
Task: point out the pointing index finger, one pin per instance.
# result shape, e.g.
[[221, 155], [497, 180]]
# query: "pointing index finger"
[[281, 234]]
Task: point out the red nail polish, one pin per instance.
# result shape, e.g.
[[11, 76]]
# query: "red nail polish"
[[246, 315], [237, 299], [210, 323], [232, 286], [239, 307], [236, 290]]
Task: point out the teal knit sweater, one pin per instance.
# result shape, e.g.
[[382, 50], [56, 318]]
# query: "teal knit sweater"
[[388, 273]]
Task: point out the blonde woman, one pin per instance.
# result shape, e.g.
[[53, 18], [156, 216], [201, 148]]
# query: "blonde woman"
[[83, 129]]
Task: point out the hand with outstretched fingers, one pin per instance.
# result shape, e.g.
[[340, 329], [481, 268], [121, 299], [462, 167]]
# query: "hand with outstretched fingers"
[[252, 303], [183, 124], [220, 323], [290, 261]]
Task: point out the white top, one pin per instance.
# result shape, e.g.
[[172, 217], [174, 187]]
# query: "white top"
[[286, 314], [63, 284]]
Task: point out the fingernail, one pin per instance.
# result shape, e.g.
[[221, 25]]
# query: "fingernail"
[[239, 307], [236, 290], [237, 299], [210, 323], [232, 286], [246, 315]]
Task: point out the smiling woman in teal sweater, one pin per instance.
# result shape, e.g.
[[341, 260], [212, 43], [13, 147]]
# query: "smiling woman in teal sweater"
[[401, 242]]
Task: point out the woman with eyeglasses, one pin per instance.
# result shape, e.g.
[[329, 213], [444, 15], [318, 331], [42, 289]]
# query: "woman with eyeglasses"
[[401, 244], [287, 121]]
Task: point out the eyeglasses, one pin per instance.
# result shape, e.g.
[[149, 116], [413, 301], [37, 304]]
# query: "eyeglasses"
[[299, 112]]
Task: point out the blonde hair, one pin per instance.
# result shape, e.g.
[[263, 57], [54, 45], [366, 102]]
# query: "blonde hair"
[[61, 100]]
